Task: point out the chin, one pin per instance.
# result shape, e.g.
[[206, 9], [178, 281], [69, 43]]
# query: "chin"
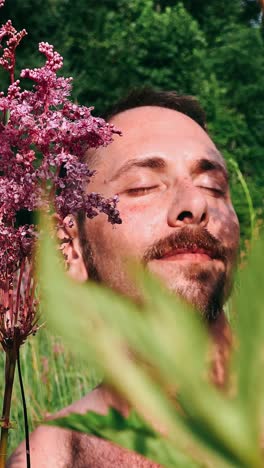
[[201, 287], [208, 303]]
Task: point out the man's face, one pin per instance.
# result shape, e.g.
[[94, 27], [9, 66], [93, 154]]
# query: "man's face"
[[177, 217]]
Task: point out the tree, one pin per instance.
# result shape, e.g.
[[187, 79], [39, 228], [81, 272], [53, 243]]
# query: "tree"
[[131, 45]]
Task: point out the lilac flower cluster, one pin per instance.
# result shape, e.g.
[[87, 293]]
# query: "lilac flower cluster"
[[8, 59], [46, 134], [43, 140]]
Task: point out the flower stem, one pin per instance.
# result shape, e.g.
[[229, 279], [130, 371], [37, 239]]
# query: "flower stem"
[[242, 180], [24, 409], [10, 366]]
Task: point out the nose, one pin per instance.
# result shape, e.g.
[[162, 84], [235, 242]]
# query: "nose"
[[189, 206]]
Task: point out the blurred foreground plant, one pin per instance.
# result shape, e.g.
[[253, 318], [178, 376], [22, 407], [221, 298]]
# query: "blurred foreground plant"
[[213, 428], [43, 139]]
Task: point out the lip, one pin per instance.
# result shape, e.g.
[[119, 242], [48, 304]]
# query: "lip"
[[194, 255]]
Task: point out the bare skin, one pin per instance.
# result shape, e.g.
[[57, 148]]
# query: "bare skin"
[[175, 183], [52, 447]]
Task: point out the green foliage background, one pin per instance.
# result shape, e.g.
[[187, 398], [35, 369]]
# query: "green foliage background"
[[53, 378], [211, 49]]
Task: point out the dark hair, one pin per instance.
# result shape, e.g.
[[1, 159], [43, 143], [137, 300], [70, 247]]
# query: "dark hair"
[[147, 96]]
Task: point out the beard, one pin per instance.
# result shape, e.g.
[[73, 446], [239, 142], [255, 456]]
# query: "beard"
[[203, 288], [203, 285]]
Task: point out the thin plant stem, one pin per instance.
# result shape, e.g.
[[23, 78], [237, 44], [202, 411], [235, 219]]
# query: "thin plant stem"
[[244, 185], [24, 410], [10, 366]]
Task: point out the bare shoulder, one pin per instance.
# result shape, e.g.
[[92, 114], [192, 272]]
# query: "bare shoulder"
[[94, 401], [49, 447], [53, 446]]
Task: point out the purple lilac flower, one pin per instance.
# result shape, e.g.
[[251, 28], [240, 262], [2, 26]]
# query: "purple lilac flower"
[[43, 140]]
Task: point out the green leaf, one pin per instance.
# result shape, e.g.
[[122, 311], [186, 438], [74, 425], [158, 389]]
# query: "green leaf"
[[132, 433], [249, 357], [179, 332], [101, 325], [90, 319]]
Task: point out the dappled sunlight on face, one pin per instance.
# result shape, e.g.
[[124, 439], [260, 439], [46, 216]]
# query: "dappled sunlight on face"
[[177, 217]]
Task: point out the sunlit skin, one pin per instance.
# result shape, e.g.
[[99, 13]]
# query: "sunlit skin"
[[179, 188], [182, 194]]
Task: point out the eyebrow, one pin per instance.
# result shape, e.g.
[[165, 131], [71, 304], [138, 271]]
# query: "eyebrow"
[[207, 165], [159, 164], [154, 162]]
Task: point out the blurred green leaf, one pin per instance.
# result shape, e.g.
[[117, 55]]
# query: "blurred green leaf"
[[249, 327], [103, 326], [77, 313], [132, 433]]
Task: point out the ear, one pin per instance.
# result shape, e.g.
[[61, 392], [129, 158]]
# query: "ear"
[[67, 232]]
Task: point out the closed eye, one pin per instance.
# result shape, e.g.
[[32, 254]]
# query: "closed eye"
[[139, 191], [214, 190]]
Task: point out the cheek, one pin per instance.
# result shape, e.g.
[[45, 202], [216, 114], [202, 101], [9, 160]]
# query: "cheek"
[[141, 226], [225, 225], [144, 220]]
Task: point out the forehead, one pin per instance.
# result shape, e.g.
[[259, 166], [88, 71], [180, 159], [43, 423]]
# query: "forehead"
[[152, 130]]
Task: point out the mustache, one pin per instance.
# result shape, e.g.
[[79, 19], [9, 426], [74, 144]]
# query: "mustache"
[[187, 239]]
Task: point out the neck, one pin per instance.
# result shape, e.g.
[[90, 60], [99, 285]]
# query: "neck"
[[221, 336], [221, 339]]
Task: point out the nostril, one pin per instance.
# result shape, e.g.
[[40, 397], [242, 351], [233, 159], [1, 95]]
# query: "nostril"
[[203, 218], [185, 215]]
